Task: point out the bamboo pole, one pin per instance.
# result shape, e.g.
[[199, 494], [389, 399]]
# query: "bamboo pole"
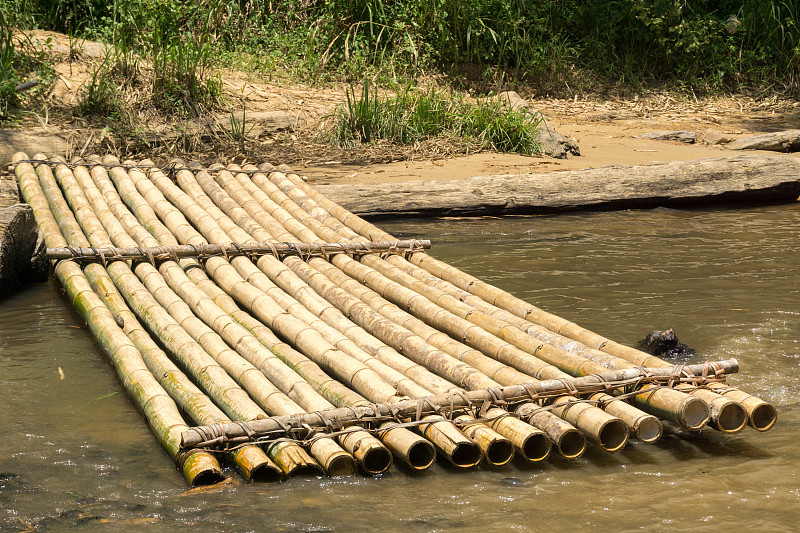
[[207, 367], [279, 250], [426, 406], [199, 468]]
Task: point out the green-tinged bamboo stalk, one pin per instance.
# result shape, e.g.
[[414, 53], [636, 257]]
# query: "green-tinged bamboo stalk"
[[206, 367], [198, 468], [122, 223], [762, 416]]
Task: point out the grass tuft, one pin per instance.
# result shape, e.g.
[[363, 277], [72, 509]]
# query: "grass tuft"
[[417, 115]]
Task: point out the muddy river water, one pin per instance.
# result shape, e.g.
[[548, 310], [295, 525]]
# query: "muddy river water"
[[75, 453]]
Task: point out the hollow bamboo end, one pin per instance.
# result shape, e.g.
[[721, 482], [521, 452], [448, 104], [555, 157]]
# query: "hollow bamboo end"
[[420, 455], [648, 430], [536, 447], [499, 452], [694, 413], [341, 465], [613, 435], [572, 444], [763, 417], [376, 460], [731, 418], [202, 469], [465, 455], [266, 473]]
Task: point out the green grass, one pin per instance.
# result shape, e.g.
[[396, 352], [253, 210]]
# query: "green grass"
[[416, 115]]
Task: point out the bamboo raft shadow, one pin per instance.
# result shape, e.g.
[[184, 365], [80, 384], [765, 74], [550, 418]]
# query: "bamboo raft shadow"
[[256, 323]]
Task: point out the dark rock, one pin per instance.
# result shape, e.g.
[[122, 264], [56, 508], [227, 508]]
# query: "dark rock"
[[716, 137], [550, 141], [664, 343], [688, 137]]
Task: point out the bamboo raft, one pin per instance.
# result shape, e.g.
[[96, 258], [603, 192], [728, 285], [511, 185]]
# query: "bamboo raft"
[[258, 324]]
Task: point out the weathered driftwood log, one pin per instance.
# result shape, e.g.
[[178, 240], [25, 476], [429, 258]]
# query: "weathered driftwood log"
[[425, 406], [682, 183], [780, 141]]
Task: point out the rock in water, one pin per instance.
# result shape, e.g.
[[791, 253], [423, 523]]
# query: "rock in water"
[[664, 343]]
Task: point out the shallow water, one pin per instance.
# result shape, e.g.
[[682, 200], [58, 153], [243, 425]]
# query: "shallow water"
[[76, 452]]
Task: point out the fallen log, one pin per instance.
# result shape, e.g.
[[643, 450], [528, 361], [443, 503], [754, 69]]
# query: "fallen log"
[[779, 141], [738, 179]]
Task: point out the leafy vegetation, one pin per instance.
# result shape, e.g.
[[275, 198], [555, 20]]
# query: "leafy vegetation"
[[556, 46], [416, 115], [19, 63]]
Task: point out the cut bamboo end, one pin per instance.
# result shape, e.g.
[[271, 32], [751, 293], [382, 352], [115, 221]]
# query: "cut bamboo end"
[[727, 415], [647, 430], [613, 435], [255, 466], [531, 443], [410, 448], [694, 414], [201, 468], [601, 428], [569, 442], [761, 415], [451, 443], [497, 450], [333, 459], [292, 459], [373, 457]]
